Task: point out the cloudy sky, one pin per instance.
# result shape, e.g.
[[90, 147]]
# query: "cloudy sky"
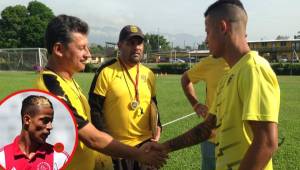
[[181, 21]]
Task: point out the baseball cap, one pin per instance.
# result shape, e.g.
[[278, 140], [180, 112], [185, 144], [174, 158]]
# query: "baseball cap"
[[130, 31]]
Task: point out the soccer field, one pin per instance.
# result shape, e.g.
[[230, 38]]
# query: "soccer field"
[[173, 105]]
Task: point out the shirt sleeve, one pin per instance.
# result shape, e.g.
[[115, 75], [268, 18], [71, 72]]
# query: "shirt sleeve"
[[101, 84], [197, 72], [97, 116], [158, 120], [260, 94], [97, 93], [152, 81], [53, 86], [213, 108]]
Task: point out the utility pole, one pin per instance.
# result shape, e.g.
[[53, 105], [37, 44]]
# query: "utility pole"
[[158, 49]]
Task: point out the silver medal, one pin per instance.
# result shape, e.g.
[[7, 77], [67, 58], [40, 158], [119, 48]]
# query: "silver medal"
[[134, 104]]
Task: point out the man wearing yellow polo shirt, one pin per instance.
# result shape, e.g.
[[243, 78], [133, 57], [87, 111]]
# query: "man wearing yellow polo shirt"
[[246, 107], [209, 70], [121, 94], [67, 44]]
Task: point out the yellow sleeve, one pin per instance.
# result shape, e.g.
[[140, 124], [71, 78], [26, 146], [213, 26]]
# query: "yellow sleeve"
[[152, 81], [102, 83], [260, 94], [197, 72]]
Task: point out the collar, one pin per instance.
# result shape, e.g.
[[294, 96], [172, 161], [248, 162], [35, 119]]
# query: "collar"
[[242, 60], [41, 151]]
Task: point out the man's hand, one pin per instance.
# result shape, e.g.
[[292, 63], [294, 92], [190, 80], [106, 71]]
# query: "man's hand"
[[201, 109], [153, 154], [189, 91]]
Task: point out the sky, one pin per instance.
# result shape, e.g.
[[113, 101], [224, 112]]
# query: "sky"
[[180, 21]]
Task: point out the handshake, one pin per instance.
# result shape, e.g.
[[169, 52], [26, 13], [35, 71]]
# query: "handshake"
[[153, 154]]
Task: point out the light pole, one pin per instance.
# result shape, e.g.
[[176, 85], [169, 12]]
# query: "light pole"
[[148, 46]]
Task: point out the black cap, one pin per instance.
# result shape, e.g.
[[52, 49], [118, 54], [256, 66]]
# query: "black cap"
[[130, 31]]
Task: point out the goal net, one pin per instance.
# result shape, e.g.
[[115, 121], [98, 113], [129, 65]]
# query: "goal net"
[[23, 58]]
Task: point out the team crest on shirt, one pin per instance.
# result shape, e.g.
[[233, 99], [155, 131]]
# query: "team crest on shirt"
[[43, 166]]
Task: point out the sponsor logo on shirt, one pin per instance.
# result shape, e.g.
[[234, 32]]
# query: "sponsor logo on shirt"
[[43, 166]]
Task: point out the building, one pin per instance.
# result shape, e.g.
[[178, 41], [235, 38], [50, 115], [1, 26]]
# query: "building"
[[278, 50]]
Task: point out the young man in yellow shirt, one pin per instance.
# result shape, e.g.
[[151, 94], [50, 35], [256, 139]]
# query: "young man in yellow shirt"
[[246, 107], [209, 70]]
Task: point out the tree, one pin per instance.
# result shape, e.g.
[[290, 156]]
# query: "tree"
[[24, 27], [96, 49], [188, 48], [297, 36], [282, 37], [40, 10], [202, 46], [11, 23], [153, 41], [32, 32], [177, 48]]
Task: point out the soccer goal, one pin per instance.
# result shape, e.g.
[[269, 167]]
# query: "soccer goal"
[[23, 58]]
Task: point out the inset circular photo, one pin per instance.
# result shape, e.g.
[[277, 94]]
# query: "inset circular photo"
[[37, 131]]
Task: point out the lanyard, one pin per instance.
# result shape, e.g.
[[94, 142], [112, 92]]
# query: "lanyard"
[[136, 82]]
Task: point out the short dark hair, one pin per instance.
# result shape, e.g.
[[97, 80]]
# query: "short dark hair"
[[59, 30], [222, 4], [30, 104]]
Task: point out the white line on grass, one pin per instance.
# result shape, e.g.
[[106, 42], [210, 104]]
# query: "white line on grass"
[[183, 117]]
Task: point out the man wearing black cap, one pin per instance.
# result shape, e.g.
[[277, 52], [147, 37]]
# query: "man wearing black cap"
[[67, 44], [121, 95]]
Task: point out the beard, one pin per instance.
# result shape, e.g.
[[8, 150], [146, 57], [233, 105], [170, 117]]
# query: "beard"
[[135, 58]]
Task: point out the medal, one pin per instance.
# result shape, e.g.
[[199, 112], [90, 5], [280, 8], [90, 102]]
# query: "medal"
[[134, 104]]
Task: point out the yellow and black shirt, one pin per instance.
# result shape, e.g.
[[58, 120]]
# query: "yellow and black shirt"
[[110, 95], [69, 91]]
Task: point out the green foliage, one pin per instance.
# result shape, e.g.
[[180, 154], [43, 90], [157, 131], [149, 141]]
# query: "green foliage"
[[90, 68], [33, 36], [96, 49], [202, 46], [175, 68], [153, 40], [286, 68], [40, 10], [10, 26], [24, 27]]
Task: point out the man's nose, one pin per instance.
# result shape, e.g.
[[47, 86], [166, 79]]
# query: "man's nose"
[[49, 126], [87, 53]]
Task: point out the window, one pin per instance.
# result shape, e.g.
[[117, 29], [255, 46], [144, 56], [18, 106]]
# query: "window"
[[264, 44], [283, 44]]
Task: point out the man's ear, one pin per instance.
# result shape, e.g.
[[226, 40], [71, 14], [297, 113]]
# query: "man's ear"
[[26, 119], [119, 45], [224, 27], [58, 49]]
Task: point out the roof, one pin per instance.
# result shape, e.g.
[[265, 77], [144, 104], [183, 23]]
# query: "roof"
[[287, 40]]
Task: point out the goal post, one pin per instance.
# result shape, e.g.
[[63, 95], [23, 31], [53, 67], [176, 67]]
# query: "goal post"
[[19, 59]]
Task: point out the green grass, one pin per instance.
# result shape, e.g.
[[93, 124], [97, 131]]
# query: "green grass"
[[173, 104]]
